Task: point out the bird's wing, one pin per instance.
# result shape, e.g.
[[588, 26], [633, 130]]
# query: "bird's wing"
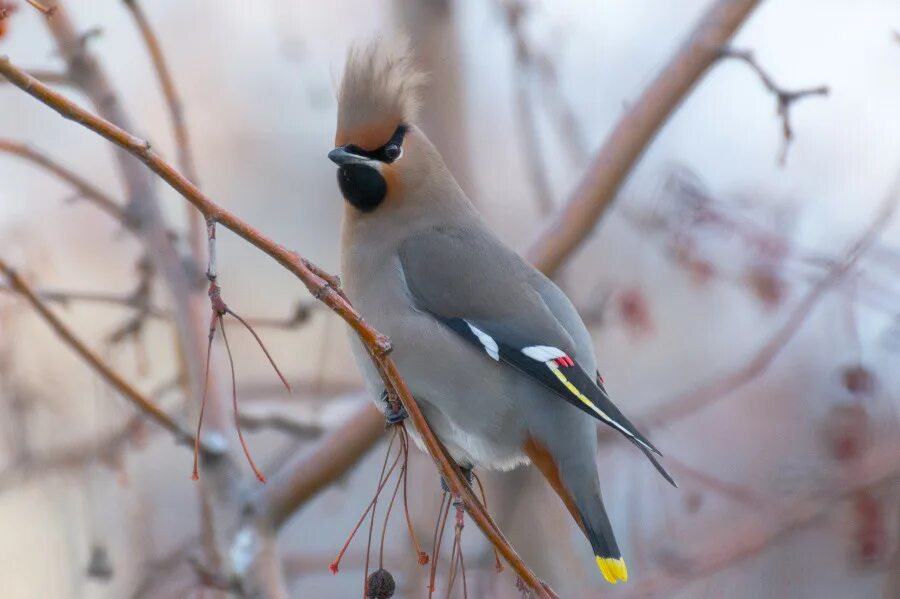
[[482, 290]]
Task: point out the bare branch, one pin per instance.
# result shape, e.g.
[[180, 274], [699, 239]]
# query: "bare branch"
[[184, 157], [514, 12], [64, 298], [377, 344], [634, 132], [752, 534], [84, 188], [144, 209], [253, 420], [784, 98], [680, 407], [48, 11], [312, 472], [296, 318], [69, 458], [93, 360], [49, 77], [733, 491]]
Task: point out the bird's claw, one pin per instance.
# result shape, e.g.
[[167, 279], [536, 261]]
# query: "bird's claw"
[[393, 416], [467, 474]]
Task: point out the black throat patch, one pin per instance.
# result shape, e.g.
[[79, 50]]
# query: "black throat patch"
[[362, 186]]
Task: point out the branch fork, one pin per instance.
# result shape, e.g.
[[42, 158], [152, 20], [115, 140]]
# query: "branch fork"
[[219, 309]]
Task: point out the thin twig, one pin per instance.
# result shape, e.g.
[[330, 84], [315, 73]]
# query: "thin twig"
[[748, 536], [733, 491], [85, 189], [49, 77], [234, 405], [634, 132], [680, 407], [145, 210], [295, 319], [93, 360], [184, 155], [72, 457], [280, 422], [48, 11], [784, 98], [527, 120]]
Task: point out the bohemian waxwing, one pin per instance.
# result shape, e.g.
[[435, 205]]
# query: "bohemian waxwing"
[[494, 353]]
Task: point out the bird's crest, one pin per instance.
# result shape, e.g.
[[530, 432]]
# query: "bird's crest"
[[379, 91]]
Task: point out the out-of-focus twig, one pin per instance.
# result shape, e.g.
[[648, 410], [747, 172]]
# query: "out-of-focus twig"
[[299, 316], [184, 155], [679, 246], [377, 344], [65, 298], [69, 458], [534, 60], [48, 11], [733, 491], [255, 420], [93, 360], [159, 571], [688, 403], [758, 530], [634, 132], [308, 474], [144, 210], [784, 98], [85, 189], [49, 77], [515, 11]]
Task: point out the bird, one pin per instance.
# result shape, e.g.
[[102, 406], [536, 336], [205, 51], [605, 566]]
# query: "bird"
[[494, 353]]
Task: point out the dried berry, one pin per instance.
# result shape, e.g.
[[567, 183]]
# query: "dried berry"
[[380, 585], [846, 431], [6, 9], [99, 566], [634, 310], [767, 285], [858, 380]]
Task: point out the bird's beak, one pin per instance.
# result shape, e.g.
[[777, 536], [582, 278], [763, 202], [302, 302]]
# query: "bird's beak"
[[342, 157]]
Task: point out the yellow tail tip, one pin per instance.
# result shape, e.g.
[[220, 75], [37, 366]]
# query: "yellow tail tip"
[[613, 569]]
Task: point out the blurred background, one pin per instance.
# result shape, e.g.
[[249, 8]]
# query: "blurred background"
[[731, 315]]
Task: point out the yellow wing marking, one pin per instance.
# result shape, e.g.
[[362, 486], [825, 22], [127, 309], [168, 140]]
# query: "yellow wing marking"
[[574, 390]]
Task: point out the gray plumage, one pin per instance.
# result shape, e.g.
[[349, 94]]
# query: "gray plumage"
[[462, 311]]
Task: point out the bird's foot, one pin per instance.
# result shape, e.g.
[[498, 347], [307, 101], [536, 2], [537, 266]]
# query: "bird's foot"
[[467, 474], [394, 413]]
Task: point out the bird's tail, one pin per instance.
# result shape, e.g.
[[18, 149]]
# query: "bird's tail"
[[599, 532], [584, 502]]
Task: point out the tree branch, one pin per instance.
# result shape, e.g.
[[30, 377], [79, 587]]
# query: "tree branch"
[[323, 464], [84, 188], [93, 360], [48, 11], [184, 155], [688, 403], [784, 98], [760, 529], [378, 345], [634, 132], [299, 316], [50, 77]]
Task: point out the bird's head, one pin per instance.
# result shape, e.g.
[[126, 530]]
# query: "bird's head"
[[379, 150]]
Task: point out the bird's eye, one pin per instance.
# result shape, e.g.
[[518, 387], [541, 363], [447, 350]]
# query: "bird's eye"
[[392, 152]]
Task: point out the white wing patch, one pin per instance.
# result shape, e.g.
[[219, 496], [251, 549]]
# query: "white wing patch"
[[490, 346], [542, 353]]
